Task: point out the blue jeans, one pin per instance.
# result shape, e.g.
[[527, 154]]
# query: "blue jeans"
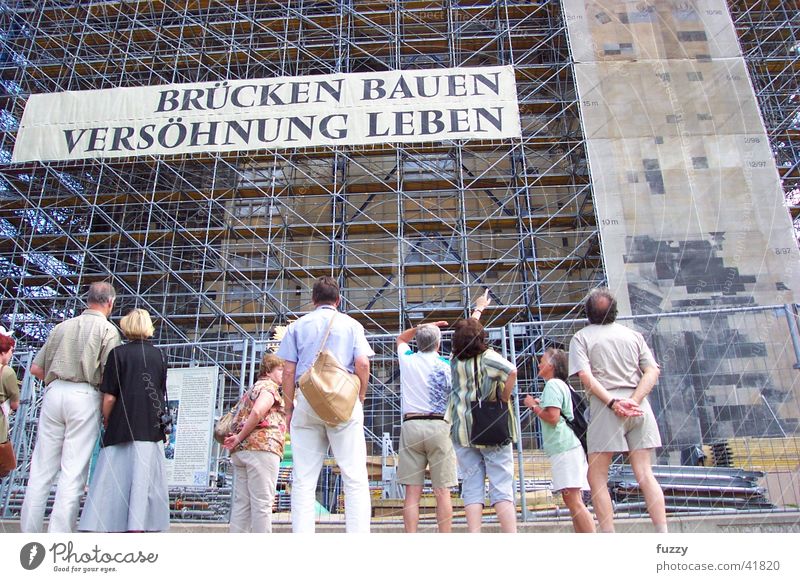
[[475, 464]]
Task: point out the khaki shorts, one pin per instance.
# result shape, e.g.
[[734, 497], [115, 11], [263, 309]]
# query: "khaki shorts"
[[424, 443], [609, 433]]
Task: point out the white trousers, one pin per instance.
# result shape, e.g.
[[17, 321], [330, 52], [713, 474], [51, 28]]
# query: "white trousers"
[[255, 478], [69, 424], [310, 440]]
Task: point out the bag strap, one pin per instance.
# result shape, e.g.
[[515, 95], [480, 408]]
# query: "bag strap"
[[166, 401], [2, 367], [564, 416], [166, 398], [477, 384], [325, 338]]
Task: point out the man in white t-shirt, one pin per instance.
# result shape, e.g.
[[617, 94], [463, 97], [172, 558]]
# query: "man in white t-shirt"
[[425, 435]]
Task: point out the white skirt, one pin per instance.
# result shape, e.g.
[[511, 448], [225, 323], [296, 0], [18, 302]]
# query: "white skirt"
[[569, 470], [129, 490]]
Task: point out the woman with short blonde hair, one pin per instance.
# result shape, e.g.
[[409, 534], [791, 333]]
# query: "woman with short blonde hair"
[[137, 325], [129, 490]]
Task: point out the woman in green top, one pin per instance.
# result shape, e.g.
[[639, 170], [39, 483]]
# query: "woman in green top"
[[559, 442]]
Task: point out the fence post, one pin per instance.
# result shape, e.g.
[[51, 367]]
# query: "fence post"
[[509, 331], [242, 382], [791, 321]]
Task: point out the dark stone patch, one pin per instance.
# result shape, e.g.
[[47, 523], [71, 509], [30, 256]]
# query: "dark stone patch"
[[744, 380], [652, 173], [735, 413], [643, 301], [693, 264], [642, 16], [692, 35], [602, 17]]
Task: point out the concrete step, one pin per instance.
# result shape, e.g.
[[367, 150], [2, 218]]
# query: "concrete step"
[[784, 522]]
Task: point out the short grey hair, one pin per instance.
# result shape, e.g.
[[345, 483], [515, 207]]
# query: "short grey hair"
[[558, 359], [100, 293], [428, 337]]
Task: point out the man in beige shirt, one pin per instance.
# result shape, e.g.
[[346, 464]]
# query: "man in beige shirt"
[[618, 371], [70, 364]]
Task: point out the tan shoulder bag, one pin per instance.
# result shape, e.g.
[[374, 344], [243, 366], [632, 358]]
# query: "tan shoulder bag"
[[329, 388]]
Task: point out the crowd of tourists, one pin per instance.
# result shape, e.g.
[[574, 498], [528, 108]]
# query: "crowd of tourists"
[[458, 424]]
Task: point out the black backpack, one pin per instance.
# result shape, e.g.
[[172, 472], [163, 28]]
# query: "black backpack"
[[578, 424]]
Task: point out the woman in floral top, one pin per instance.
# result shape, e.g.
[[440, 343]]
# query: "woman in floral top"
[[257, 450]]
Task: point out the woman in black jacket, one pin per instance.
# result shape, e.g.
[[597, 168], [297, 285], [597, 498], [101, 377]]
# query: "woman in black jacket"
[[128, 491]]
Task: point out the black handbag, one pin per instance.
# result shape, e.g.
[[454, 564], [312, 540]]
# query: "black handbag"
[[165, 420], [489, 419]]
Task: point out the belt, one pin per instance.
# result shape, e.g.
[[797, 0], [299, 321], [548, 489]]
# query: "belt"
[[81, 383], [422, 416]]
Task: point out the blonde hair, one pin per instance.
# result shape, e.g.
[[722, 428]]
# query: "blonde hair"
[[137, 325], [268, 363]]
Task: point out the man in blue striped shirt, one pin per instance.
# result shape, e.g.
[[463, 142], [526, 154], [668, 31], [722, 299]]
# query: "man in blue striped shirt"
[[425, 435]]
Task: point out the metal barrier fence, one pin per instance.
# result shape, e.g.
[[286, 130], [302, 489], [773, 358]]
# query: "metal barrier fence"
[[727, 404], [728, 397]]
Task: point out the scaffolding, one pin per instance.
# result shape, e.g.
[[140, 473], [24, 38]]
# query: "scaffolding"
[[221, 248], [769, 34], [227, 246]]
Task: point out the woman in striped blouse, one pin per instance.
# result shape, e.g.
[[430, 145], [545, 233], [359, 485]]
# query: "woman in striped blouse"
[[480, 372]]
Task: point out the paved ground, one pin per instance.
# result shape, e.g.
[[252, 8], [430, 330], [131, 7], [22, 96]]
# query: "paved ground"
[[747, 523]]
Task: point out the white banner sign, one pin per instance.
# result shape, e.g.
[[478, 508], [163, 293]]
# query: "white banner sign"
[[285, 112], [190, 393]]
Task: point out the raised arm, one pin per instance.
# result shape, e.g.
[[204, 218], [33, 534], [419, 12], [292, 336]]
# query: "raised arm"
[[408, 335], [481, 303]]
